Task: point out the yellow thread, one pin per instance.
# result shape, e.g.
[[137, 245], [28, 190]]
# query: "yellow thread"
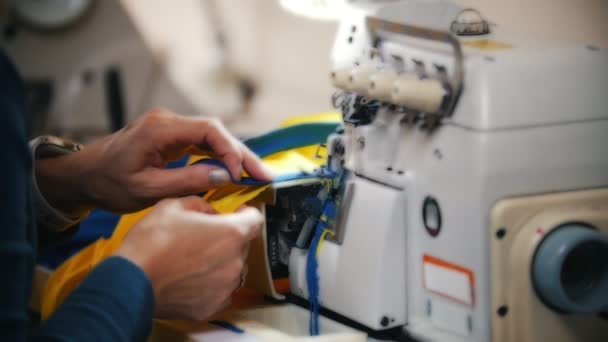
[[327, 182], [486, 44], [322, 239]]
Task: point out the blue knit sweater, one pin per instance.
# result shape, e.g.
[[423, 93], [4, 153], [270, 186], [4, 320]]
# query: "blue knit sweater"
[[114, 303]]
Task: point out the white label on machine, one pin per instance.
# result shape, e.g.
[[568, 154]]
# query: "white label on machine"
[[448, 280], [449, 316]]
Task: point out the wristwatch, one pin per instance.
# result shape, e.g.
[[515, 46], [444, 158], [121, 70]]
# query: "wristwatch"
[[45, 147]]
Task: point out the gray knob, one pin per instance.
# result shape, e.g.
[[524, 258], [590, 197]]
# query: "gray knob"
[[570, 269]]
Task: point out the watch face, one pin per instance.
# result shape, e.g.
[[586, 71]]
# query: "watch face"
[[50, 14]]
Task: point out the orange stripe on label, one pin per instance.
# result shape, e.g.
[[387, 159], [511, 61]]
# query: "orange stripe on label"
[[448, 280]]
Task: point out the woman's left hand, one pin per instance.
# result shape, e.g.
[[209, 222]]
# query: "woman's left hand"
[[125, 171]]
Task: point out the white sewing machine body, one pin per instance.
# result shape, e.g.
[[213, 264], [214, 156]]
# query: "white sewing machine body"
[[530, 120]]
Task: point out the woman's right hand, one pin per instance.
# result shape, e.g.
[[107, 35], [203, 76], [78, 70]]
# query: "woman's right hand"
[[194, 258]]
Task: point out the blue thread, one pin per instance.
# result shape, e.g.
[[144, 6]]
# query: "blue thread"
[[312, 280], [312, 265], [330, 208], [228, 326]]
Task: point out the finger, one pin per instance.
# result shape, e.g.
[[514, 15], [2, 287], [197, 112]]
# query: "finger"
[[245, 272], [246, 248], [224, 305], [249, 160], [214, 309], [198, 151], [241, 208], [254, 165], [202, 132], [184, 181], [242, 279], [259, 228], [247, 220], [196, 203]]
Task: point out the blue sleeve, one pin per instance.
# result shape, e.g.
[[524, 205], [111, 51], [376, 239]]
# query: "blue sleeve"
[[114, 303], [17, 231]]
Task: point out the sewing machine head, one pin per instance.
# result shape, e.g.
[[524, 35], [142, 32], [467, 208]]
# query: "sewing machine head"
[[474, 205]]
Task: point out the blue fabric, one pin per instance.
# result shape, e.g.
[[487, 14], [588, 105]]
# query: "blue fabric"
[[228, 326], [99, 224], [114, 303], [291, 137]]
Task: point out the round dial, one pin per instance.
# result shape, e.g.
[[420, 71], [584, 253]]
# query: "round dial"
[[51, 14], [469, 22]]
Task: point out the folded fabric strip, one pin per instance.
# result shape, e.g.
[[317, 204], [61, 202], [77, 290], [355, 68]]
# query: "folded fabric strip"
[[284, 152], [291, 137]]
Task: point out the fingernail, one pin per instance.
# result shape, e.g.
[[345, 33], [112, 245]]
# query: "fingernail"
[[219, 177]]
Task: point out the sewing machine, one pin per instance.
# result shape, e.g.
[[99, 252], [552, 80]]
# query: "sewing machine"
[[476, 206]]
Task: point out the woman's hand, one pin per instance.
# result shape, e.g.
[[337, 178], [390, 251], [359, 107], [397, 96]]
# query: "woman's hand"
[[125, 171], [195, 260]]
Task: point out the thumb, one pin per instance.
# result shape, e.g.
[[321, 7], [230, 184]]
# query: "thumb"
[[186, 180], [196, 204], [249, 221]]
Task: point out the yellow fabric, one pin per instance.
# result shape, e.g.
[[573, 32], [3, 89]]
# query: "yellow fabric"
[[226, 199], [319, 117], [232, 197], [67, 277]]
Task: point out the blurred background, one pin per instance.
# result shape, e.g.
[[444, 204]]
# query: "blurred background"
[[91, 66]]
